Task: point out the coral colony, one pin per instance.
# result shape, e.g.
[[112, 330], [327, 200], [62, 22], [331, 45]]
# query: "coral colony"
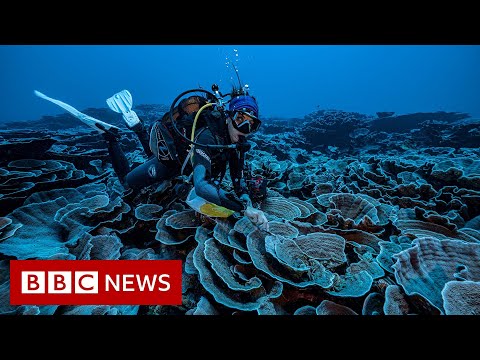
[[368, 216]]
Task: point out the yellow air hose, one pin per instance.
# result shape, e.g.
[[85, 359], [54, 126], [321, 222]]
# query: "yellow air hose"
[[195, 120]]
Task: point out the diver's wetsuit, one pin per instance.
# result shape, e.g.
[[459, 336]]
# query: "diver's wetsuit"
[[148, 173], [209, 165]]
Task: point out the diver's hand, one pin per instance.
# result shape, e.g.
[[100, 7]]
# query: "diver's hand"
[[257, 217]]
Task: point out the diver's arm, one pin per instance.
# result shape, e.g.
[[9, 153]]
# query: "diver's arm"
[[206, 189]]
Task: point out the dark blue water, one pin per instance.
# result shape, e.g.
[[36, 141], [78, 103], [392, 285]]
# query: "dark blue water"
[[289, 81]]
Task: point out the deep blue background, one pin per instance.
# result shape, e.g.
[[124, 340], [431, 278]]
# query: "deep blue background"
[[288, 80]]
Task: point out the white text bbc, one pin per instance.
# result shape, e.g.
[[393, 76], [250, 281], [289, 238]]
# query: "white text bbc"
[[86, 282]]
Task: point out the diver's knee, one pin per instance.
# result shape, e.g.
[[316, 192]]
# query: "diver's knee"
[[141, 176]]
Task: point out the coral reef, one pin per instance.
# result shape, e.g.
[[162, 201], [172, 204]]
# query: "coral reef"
[[367, 216]]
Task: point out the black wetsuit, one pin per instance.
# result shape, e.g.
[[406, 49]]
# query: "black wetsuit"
[[209, 165]]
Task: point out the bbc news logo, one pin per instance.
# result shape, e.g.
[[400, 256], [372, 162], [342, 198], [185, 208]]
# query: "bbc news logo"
[[59, 282], [95, 282]]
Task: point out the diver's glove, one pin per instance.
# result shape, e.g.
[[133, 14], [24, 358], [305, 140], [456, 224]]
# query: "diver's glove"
[[257, 217]]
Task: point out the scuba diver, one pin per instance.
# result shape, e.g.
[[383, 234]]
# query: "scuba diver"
[[201, 160]]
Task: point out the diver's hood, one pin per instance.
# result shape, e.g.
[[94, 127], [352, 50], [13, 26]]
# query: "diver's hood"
[[244, 103]]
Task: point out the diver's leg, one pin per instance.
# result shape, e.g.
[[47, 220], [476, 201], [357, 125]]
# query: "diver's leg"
[[119, 161], [144, 137], [151, 172]]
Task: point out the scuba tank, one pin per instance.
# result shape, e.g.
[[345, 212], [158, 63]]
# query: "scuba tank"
[[165, 143]]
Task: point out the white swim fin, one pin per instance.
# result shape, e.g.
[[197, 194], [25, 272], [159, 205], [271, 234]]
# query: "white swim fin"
[[96, 124], [122, 103]]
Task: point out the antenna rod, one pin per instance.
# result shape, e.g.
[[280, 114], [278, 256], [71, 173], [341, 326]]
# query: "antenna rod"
[[238, 77]]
